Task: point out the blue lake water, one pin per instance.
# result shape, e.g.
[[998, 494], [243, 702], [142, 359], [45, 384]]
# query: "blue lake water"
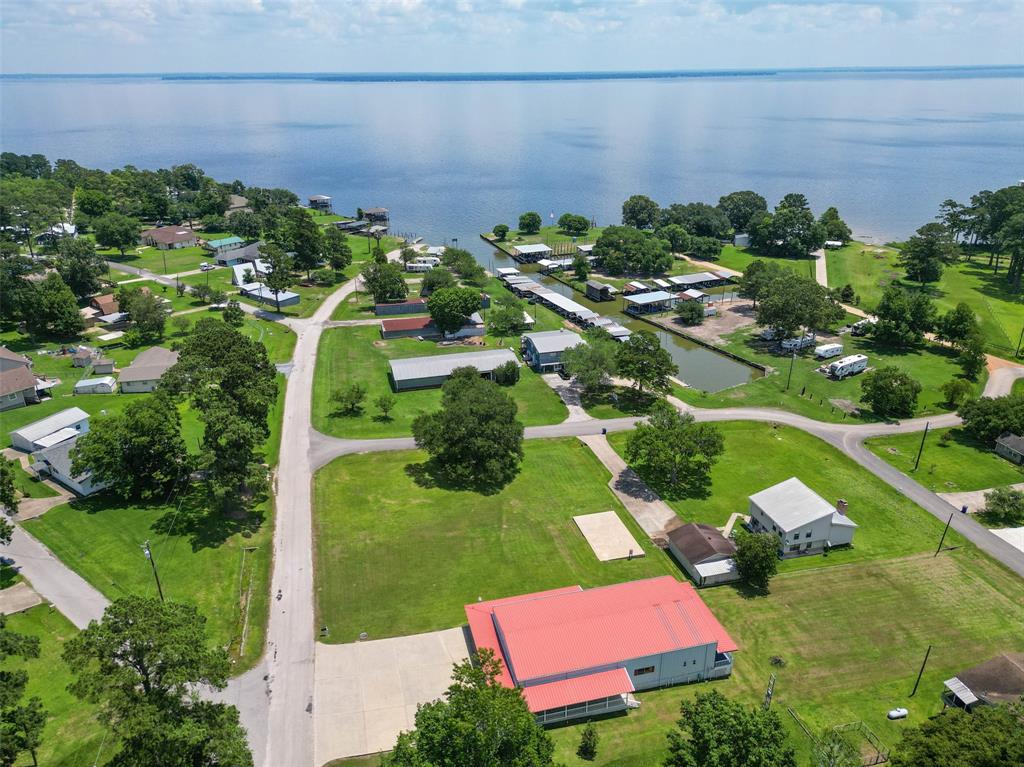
[[451, 158]]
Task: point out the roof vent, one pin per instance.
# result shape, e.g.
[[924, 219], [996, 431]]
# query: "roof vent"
[[842, 506]]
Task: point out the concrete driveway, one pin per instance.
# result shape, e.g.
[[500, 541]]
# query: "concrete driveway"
[[366, 693]]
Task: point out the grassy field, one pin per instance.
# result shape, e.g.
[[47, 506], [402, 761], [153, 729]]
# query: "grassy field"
[[952, 466], [359, 306], [199, 555], [1000, 311], [358, 355], [758, 455], [277, 338], [72, 737], [822, 398], [740, 258], [395, 558], [161, 261], [853, 639]]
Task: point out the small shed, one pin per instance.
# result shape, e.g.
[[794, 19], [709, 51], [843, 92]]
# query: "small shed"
[[103, 366], [81, 358], [1011, 447], [704, 553], [100, 385]]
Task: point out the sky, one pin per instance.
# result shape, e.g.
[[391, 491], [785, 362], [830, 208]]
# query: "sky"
[[137, 36]]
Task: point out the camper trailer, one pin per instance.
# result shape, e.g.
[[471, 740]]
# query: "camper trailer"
[[797, 344], [863, 327], [848, 366], [826, 351]]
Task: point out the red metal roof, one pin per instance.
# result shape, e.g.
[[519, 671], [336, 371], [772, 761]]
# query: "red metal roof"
[[481, 626], [580, 689], [565, 631], [406, 323]]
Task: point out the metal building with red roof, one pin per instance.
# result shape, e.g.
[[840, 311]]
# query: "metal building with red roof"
[[577, 652]]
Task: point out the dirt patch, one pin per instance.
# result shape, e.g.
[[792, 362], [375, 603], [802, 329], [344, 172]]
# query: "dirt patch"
[[845, 405], [732, 315], [379, 344]]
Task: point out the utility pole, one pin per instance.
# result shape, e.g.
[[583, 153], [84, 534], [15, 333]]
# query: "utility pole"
[[790, 376], [152, 563], [919, 673], [920, 449], [943, 538]]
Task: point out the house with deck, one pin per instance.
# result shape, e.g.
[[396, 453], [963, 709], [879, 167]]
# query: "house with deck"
[[320, 203], [579, 653], [543, 351]]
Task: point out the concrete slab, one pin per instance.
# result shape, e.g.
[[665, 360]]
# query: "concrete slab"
[[1012, 535], [974, 500], [366, 693], [608, 536], [17, 598]]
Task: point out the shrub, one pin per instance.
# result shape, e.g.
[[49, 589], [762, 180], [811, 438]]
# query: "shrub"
[[956, 391], [690, 312], [507, 374], [324, 277], [500, 231]]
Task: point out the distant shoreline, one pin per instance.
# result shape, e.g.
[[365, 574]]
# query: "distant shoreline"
[[396, 77]]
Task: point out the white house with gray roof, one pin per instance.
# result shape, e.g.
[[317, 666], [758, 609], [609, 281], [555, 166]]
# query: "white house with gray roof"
[[804, 521], [146, 370], [50, 430], [426, 372], [55, 462]]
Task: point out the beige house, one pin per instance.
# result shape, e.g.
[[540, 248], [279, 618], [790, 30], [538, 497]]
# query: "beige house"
[[146, 370]]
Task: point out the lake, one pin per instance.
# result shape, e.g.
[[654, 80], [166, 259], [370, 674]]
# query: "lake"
[[452, 158]]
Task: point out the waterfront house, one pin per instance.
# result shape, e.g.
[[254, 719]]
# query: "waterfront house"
[[804, 522], [434, 370], [376, 215], [577, 653], [321, 203], [599, 291], [543, 351], [1011, 447]]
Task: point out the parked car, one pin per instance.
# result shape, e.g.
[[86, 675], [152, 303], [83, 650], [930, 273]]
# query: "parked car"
[[205, 266], [898, 713]]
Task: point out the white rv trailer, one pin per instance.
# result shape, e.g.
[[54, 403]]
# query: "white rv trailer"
[[848, 366], [825, 351], [796, 344]]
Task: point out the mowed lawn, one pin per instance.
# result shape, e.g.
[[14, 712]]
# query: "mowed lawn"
[[199, 555], [740, 258], [852, 639], [395, 558], [359, 355], [813, 394], [947, 466], [759, 455], [868, 269], [161, 261], [72, 737]]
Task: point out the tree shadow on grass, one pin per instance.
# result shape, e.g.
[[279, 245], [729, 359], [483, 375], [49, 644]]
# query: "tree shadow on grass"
[[690, 485], [431, 475], [626, 400], [206, 526]]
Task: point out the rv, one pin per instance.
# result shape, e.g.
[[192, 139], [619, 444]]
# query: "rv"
[[797, 344], [862, 327], [825, 351], [848, 366]]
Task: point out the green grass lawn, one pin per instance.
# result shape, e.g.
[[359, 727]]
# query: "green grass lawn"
[[161, 261], [740, 258], [359, 355], [72, 737], [277, 338], [199, 555], [759, 455], [952, 466], [29, 486], [811, 393], [359, 306], [394, 558], [864, 268], [853, 639]]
